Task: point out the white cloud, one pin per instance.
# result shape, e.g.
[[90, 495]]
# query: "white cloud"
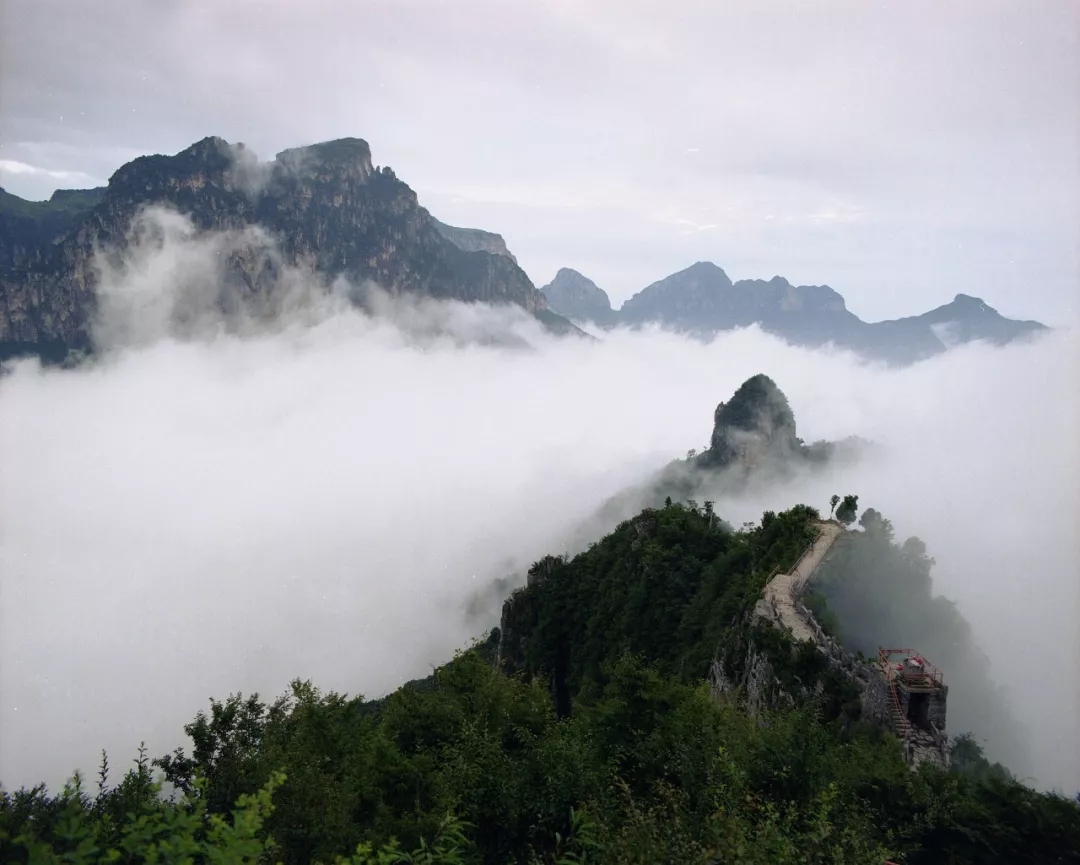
[[838, 211], [193, 516], [13, 166]]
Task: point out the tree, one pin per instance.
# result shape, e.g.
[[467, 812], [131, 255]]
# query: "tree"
[[876, 525], [847, 510], [474, 765], [833, 502]]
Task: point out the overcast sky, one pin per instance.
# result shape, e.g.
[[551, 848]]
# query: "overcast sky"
[[899, 151]]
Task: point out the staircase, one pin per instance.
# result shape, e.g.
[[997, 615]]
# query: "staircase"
[[920, 746], [897, 720]]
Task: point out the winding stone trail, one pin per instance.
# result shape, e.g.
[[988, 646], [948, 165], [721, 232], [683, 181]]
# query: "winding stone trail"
[[778, 603], [778, 600]]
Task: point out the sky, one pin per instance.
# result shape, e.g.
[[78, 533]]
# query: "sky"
[[332, 497], [901, 152]]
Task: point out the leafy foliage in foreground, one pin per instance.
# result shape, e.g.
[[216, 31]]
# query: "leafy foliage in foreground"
[[642, 764]]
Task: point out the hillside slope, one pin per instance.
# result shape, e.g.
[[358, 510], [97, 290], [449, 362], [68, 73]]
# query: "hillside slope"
[[605, 745], [326, 207]]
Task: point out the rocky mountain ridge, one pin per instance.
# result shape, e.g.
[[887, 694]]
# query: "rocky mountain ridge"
[[702, 301], [328, 210], [753, 445], [475, 240], [27, 225]]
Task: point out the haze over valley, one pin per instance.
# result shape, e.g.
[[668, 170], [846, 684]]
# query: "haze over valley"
[[459, 400], [325, 497]]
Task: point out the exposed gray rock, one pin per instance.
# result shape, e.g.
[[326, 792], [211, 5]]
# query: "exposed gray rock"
[[475, 240], [702, 301], [326, 207], [578, 298]]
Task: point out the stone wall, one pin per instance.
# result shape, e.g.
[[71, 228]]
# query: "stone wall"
[[875, 700], [935, 712], [761, 688]]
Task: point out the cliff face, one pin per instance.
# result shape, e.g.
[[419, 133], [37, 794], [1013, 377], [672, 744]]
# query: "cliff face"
[[26, 226], [328, 209], [578, 297], [475, 240], [755, 426], [754, 437]]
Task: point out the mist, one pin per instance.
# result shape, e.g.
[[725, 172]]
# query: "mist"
[[220, 508]]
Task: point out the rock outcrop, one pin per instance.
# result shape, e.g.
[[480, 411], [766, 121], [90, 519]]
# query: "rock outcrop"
[[753, 445], [475, 240], [326, 207], [578, 298], [756, 426], [754, 434]]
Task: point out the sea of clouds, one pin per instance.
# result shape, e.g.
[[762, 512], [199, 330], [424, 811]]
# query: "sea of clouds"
[[231, 504]]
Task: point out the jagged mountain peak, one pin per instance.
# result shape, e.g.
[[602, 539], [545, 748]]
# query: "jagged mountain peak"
[[710, 275], [210, 154], [756, 422], [967, 305], [753, 445], [324, 206], [578, 297], [704, 267], [965, 319], [570, 273], [702, 301]]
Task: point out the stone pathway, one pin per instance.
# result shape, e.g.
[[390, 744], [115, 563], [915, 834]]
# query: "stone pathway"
[[777, 603], [779, 594]]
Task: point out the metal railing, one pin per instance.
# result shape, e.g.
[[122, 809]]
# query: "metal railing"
[[885, 659], [898, 713], [809, 549]]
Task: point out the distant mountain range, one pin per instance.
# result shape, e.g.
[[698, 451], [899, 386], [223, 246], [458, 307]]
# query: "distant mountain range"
[[327, 210], [703, 301]]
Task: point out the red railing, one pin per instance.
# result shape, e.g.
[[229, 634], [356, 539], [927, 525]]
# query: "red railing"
[[905, 725], [885, 659]]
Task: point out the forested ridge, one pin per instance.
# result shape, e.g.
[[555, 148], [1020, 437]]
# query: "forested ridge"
[[583, 730]]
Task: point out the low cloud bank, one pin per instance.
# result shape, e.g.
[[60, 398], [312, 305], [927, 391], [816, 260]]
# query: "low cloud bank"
[[225, 508]]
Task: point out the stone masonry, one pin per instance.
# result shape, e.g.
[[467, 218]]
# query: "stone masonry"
[[917, 716]]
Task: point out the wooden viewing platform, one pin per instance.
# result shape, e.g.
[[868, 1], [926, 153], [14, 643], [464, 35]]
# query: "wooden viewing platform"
[[928, 679]]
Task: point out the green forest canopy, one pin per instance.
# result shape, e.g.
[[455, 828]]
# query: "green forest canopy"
[[597, 740]]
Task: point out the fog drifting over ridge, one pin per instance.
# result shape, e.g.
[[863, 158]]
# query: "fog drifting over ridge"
[[185, 518]]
